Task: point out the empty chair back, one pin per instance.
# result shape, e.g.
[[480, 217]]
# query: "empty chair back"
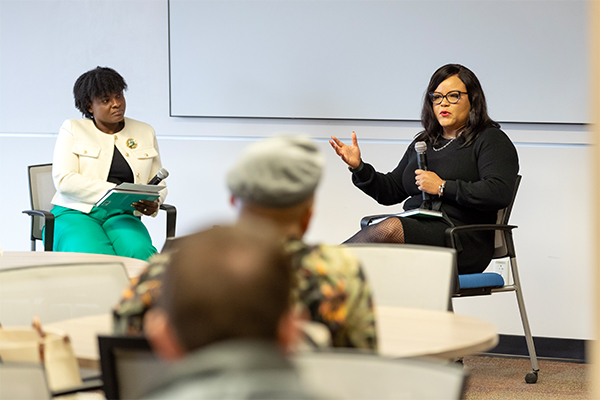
[[367, 376], [409, 275], [41, 192], [501, 244], [59, 292], [23, 381]]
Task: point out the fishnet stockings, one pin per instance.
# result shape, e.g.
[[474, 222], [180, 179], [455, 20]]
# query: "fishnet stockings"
[[387, 231]]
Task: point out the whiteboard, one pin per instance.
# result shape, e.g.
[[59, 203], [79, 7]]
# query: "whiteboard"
[[372, 60]]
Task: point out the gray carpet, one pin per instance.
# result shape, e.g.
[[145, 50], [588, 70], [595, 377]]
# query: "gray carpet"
[[500, 378]]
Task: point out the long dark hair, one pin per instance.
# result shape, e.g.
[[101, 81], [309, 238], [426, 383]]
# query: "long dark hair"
[[479, 119], [96, 83]]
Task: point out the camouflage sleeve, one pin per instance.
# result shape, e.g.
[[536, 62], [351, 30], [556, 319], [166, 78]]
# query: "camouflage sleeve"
[[332, 289], [361, 315], [139, 297], [360, 319]]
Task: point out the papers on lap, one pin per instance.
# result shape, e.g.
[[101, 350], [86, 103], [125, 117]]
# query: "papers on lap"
[[122, 196], [420, 212], [415, 212]]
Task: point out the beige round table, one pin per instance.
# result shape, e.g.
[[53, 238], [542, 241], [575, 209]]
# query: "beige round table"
[[12, 259], [410, 332], [403, 332]]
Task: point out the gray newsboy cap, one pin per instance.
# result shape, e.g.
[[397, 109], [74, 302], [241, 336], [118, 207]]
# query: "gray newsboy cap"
[[278, 172]]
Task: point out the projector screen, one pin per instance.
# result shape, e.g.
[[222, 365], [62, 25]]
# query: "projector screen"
[[372, 60]]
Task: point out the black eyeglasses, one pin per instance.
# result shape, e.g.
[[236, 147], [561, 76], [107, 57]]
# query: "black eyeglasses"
[[453, 97]]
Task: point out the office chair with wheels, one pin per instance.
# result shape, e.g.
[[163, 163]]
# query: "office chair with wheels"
[[41, 192], [487, 283]]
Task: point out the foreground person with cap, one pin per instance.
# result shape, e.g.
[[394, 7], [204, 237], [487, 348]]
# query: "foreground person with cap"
[[225, 346], [275, 180]]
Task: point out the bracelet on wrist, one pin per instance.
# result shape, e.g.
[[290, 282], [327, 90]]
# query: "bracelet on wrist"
[[441, 189]]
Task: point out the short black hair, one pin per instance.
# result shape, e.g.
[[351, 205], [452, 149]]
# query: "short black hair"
[[96, 83], [479, 119], [225, 283]]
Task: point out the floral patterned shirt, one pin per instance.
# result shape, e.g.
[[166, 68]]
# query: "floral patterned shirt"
[[331, 289]]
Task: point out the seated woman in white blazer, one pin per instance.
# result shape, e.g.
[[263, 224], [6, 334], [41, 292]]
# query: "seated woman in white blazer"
[[95, 154]]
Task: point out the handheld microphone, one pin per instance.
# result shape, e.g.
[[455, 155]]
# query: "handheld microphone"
[[420, 148], [158, 178]]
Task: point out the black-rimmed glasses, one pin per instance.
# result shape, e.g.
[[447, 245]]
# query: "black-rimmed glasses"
[[453, 97]]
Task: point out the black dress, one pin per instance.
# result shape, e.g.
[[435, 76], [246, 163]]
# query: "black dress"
[[479, 179]]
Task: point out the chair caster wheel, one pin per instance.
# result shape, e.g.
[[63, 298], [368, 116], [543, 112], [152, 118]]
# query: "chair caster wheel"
[[531, 377]]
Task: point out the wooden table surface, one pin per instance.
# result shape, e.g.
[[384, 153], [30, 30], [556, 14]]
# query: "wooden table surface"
[[13, 259], [403, 332], [410, 332]]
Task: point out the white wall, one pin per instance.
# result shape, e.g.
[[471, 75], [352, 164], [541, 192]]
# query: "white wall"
[[50, 43], [341, 59]]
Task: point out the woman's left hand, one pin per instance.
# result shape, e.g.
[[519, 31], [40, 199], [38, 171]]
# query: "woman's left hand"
[[146, 207], [427, 181]]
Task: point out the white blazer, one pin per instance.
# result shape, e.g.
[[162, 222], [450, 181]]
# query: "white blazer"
[[83, 155]]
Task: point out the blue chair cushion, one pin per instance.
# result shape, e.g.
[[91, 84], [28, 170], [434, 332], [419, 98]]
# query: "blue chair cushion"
[[485, 279]]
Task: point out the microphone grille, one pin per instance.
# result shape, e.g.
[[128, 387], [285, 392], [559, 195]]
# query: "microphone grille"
[[162, 173], [420, 147]]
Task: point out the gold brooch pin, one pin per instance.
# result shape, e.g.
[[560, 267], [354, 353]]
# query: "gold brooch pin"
[[132, 144]]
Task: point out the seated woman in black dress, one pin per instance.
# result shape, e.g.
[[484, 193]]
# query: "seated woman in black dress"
[[472, 170]]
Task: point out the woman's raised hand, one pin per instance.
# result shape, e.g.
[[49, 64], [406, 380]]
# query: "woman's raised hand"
[[349, 154]]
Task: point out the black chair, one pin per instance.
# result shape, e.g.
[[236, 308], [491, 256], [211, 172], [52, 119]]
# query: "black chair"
[[41, 192], [487, 283], [129, 367]]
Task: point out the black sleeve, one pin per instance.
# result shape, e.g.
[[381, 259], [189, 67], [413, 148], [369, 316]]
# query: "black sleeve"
[[498, 166], [386, 189]]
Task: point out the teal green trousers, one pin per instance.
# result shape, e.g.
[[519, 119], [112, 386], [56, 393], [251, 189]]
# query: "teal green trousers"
[[101, 232]]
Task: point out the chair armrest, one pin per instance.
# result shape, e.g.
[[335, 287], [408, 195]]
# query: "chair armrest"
[[48, 219], [450, 241], [480, 227], [171, 218], [367, 220]]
